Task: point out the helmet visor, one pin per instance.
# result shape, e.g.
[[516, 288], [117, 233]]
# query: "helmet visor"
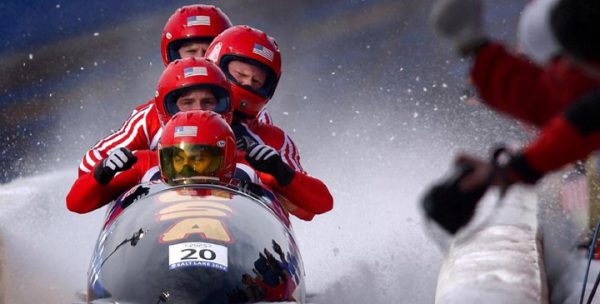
[[185, 163]]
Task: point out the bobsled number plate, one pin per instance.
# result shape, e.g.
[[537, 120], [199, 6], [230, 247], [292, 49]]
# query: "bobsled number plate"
[[198, 255]]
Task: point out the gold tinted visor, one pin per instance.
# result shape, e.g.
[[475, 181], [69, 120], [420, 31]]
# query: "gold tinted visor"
[[187, 163]]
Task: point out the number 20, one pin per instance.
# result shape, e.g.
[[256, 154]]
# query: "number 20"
[[204, 254]]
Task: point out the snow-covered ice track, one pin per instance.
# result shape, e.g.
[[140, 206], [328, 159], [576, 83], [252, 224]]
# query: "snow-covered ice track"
[[500, 262]]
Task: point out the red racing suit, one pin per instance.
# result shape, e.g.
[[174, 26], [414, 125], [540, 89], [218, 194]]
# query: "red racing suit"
[[566, 138], [141, 131], [516, 86], [87, 194], [310, 196]]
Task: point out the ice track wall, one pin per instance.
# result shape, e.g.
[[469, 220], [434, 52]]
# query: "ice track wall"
[[501, 262]]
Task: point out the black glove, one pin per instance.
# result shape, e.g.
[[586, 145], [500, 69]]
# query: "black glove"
[[450, 207], [519, 169], [118, 160], [265, 159], [452, 202]]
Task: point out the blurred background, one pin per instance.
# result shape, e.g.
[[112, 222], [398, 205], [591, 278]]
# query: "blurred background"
[[375, 102]]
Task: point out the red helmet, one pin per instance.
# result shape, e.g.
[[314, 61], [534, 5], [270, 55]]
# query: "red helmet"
[[183, 75], [193, 22], [254, 47], [196, 146]]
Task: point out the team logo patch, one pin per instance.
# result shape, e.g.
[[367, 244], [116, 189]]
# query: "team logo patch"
[[186, 131], [195, 71], [198, 20], [198, 254], [263, 51], [221, 143]]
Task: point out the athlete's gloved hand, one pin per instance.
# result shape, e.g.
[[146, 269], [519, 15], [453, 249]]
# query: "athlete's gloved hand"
[[460, 22], [505, 169], [118, 160], [452, 202], [265, 159]]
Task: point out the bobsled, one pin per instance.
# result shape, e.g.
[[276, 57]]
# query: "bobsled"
[[195, 244]]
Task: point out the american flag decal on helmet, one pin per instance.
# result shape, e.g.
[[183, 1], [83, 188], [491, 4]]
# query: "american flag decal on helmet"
[[186, 131], [195, 71], [198, 20], [263, 51]]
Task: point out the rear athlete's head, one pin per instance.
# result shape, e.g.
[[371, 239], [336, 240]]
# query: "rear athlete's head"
[[196, 147], [192, 84], [190, 30], [252, 62]]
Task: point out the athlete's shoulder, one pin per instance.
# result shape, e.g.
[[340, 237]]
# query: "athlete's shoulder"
[[152, 113], [266, 129], [143, 106], [149, 114], [264, 117], [272, 135]]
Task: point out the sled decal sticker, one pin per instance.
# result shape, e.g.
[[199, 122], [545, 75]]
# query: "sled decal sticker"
[[197, 254], [193, 216], [192, 209], [208, 228]]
